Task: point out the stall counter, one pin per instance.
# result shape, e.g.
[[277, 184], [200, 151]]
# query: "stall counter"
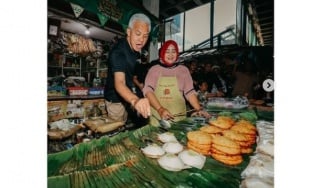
[[119, 162]]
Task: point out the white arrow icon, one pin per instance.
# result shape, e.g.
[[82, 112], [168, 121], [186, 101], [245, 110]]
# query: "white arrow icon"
[[268, 85]]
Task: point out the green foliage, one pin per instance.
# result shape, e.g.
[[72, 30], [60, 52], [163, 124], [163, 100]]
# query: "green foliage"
[[249, 116]]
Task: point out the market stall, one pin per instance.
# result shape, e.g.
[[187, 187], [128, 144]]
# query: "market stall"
[[120, 161]]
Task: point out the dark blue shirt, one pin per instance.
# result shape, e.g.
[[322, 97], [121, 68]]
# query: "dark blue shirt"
[[121, 59]]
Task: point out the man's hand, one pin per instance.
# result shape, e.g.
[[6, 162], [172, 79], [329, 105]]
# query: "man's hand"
[[142, 106]]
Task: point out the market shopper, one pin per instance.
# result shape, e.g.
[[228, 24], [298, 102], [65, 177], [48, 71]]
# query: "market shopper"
[[121, 103], [202, 93], [246, 79], [217, 70], [195, 72], [168, 84], [211, 78]]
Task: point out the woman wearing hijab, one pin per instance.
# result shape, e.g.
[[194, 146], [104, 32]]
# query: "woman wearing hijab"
[[168, 84]]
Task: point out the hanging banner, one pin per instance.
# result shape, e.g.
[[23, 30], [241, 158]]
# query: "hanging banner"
[[110, 9], [103, 19], [77, 9], [117, 10]]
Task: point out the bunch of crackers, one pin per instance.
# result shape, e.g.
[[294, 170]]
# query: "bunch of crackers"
[[225, 139]]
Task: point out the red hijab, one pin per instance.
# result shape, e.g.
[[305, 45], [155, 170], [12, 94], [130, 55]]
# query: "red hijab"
[[164, 49]]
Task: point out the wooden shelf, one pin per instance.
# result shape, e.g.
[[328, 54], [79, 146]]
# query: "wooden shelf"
[[83, 97]]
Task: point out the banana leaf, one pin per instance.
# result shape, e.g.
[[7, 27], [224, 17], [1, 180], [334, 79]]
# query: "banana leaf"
[[59, 181], [118, 162]]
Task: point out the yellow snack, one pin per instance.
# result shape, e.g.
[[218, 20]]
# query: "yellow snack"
[[226, 150], [224, 141], [197, 149], [235, 136], [246, 124], [240, 128], [199, 137], [229, 160], [211, 129]]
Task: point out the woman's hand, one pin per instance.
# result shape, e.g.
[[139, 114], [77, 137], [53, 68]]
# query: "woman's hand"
[[201, 113], [164, 113]]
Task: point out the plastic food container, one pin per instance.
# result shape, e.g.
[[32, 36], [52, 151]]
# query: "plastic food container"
[[56, 91], [78, 91], [228, 103], [96, 91]]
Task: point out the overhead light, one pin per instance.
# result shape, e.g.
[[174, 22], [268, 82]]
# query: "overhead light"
[[168, 20], [87, 31]]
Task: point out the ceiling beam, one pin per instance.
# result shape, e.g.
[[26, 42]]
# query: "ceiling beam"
[[266, 24], [198, 2], [174, 5], [179, 8], [86, 21], [264, 30], [263, 4], [264, 12], [265, 18], [268, 38], [164, 14], [268, 33]]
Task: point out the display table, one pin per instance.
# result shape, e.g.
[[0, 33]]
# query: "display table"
[[118, 162], [79, 97], [73, 106]]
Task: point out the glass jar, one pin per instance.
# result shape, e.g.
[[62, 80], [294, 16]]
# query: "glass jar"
[[95, 111], [96, 82]]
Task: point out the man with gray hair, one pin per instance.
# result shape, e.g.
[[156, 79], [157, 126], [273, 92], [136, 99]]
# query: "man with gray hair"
[[121, 102]]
